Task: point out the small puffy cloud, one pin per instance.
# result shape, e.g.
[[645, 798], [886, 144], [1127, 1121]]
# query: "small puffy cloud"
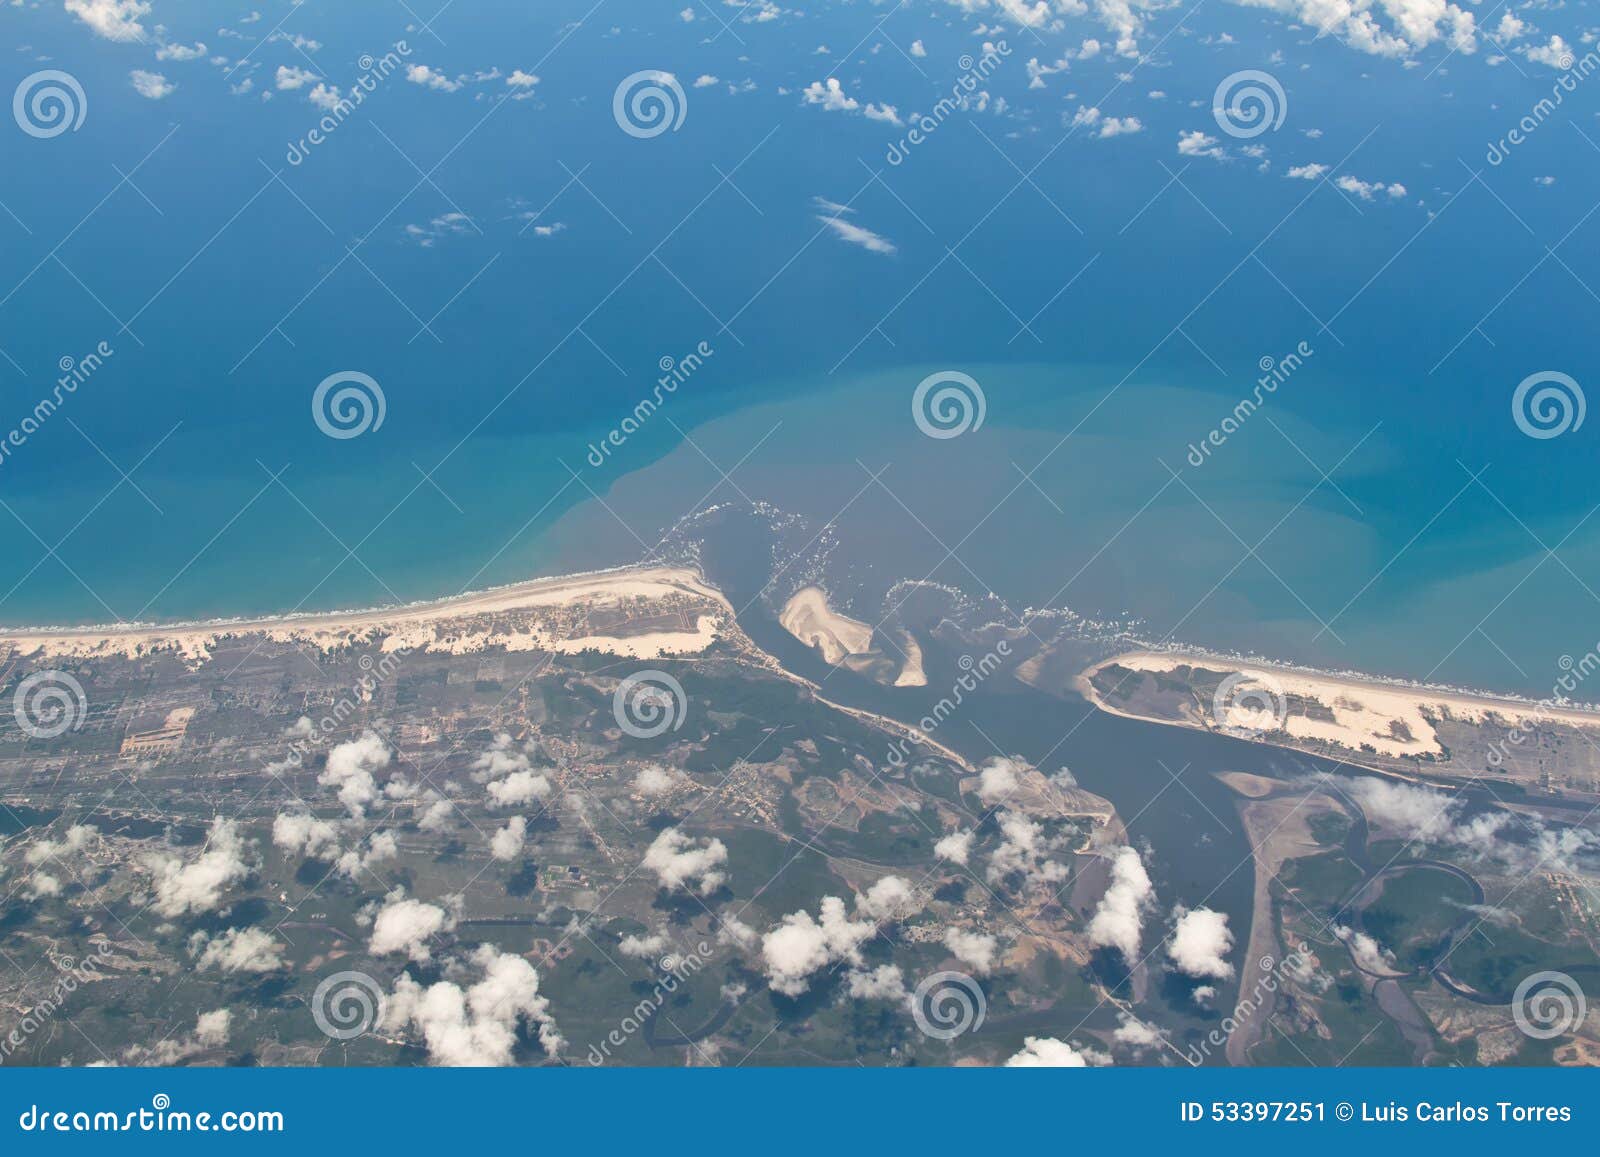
[[181, 52], [1200, 943], [520, 79], [886, 982], [112, 19], [429, 78], [290, 77], [890, 898], [681, 862], [75, 840], [518, 788], [882, 112], [198, 885], [830, 95], [506, 844], [405, 926], [955, 847], [1026, 849], [325, 96], [654, 781], [1135, 1033], [1557, 53], [1199, 144], [436, 816], [1118, 920], [238, 950], [210, 1032], [475, 1026], [641, 947], [974, 949], [998, 780], [349, 770], [705, 80], [1368, 190], [303, 834], [917, 49], [1105, 126], [1369, 955], [1050, 1053], [151, 85], [802, 945], [1311, 172], [381, 847]]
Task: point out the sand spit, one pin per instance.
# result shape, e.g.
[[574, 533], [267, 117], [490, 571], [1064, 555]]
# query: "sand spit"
[[808, 617], [1390, 718], [553, 614]]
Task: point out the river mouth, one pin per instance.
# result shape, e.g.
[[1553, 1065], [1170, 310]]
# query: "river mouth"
[[1161, 780]]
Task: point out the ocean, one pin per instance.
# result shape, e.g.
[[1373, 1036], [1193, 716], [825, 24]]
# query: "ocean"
[[516, 274]]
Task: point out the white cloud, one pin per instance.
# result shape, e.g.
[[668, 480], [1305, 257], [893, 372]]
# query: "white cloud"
[[886, 982], [801, 945], [1369, 955], [404, 926], [303, 834], [151, 85], [77, 838], [1199, 144], [881, 112], [181, 52], [997, 780], [705, 80], [1367, 190], [680, 862], [381, 848], [640, 947], [428, 78], [654, 780], [1118, 920], [1413, 24], [113, 19], [292, 77], [506, 844], [858, 235], [1105, 126], [956, 847], [476, 1026], [974, 949], [1311, 172], [1050, 1053], [830, 95], [198, 886], [1026, 849], [325, 96], [350, 767], [1556, 54], [917, 49], [239, 950], [437, 816], [1200, 943]]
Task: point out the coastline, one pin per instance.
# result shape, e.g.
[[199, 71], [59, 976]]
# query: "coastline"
[[404, 624]]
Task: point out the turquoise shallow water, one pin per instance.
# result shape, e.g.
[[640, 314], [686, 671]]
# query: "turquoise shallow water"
[[1112, 314]]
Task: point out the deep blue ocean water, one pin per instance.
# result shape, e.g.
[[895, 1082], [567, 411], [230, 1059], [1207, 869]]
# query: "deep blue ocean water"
[[230, 282]]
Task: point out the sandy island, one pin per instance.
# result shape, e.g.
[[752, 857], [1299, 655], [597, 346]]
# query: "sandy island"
[[1392, 719]]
